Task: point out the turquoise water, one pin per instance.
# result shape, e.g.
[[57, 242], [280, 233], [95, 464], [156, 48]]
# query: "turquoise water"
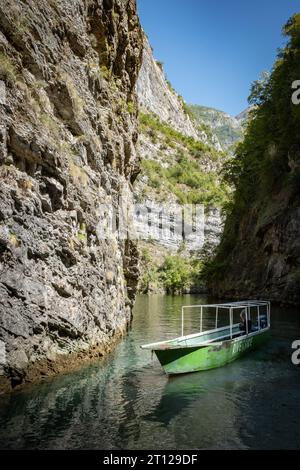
[[125, 400]]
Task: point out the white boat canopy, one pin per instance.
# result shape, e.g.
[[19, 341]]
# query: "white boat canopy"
[[245, 305]]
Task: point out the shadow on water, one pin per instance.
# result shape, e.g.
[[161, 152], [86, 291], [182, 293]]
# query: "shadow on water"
[[125, 400]]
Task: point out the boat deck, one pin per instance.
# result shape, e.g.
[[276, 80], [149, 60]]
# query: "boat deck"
[[221, 334], [219, 346], [197, 339]]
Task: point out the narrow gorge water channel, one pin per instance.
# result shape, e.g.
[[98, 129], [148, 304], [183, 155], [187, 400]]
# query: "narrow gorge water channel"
[[126, 401]]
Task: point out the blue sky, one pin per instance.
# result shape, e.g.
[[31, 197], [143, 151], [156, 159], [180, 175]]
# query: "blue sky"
[[214, 49]]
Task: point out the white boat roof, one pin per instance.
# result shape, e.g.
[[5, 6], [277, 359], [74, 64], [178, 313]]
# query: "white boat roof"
[[238, 304]]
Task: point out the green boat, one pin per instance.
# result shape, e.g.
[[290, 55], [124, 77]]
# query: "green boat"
[[218, 346]]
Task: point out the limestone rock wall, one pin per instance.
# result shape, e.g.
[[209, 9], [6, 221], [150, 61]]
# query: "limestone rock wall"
[[68, 132], [264, 262], [144, 193], [156, 96]]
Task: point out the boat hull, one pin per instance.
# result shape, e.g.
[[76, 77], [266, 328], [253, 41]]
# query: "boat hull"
[[192, 359]]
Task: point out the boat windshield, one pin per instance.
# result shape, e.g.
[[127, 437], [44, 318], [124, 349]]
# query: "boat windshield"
[[242, 317]]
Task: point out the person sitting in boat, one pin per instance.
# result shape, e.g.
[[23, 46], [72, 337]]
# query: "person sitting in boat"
[[243, 325]]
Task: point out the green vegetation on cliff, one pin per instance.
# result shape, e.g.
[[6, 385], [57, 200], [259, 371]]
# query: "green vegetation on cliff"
[[266, 168], [176, 168], [192, 174], [174, 273], [149, 122]]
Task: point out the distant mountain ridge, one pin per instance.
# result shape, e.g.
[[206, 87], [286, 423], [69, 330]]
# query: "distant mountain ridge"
[[228, 129]]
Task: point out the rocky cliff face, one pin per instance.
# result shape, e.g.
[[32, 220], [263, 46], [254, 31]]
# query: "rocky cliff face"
[[166, 127], [156, 95], [68, 132], [264, 262], [155, 189]]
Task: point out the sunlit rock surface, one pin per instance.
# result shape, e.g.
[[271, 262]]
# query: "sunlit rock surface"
[[68, 133]]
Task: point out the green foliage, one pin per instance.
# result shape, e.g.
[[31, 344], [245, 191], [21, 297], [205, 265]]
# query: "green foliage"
[[151, 122], [108, 75], [232, 170], [258, 89], [115, 15], [8, 71], [175, 274], [188, 182], [205, 128], [186, 108], [179, 273], [105, 72], [273, 134], [131, 107], [154, 171], [272, 139], [292, 30], [149, 277], [149, 280], [152, 126], [213, 268], [82, 233], [293, 180], [13, 240], [169, 84]]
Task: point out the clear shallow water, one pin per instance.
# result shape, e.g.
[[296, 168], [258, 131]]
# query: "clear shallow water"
[[125, 400]]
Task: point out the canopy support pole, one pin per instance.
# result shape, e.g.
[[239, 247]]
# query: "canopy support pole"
[[201, 318]]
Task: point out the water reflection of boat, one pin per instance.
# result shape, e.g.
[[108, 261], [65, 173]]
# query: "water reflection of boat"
[[193, 390], [219, 346]]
